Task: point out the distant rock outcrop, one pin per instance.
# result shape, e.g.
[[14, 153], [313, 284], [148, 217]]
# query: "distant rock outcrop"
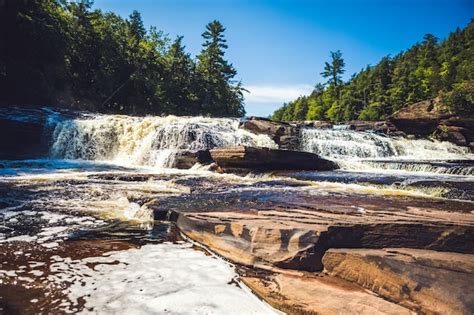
[[457, 130], [421, 118], [284, 134], [431, 118]]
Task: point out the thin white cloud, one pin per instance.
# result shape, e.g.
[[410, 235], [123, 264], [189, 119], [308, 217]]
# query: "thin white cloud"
[[276, 93]]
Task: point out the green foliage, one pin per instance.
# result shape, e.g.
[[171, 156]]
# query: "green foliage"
[[334, 70], [426, 70], [66, 53], [220, 94], [461, 99]]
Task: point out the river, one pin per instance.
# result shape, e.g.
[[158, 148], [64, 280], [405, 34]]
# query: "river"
[[77, 228]]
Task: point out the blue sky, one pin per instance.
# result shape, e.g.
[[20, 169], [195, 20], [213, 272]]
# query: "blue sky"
[[279, 47]]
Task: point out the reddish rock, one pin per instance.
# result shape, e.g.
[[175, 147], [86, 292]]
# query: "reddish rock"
[[295, 233], [425, 281], [306, 293]]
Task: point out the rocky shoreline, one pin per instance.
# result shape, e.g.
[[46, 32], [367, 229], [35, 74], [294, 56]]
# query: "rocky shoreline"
[[309, 242], [310, 254]]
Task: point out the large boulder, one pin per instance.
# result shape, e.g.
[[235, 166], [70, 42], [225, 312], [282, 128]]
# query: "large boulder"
[[284, 134], [320, 124], [457, 130], [244, 159], [421, 118], [187, 159]]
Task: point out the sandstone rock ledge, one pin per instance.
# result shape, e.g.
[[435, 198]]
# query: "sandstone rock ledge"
[[242, 159], [306, 293], [322, 254], [425, 281]]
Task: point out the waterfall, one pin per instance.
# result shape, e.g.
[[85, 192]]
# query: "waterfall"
[[150, 141], [358, 150], [340, 143], [154, 141]]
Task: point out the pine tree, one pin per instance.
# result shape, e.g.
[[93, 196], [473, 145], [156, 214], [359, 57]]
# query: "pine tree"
[[136, 25], [334, 70], [222, 96], [180, 82]]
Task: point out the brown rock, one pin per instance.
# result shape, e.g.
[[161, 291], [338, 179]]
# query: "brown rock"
[[452, 134], [425, 281], [187, 159], [22, 139], [284, 134], [305, 293], [376, 126], [467, 123], [295, 233], [319, 124], [421, 118], [243, 159]]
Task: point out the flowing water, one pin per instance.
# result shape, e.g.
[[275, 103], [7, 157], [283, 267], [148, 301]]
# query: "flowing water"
[[77, 230], [150, 141], [367, 151]]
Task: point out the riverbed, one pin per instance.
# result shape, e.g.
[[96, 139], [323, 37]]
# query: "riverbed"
[[82, 229]]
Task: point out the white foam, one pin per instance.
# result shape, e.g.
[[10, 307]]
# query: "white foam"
[[151, 141], [20, 238], [155, 279]]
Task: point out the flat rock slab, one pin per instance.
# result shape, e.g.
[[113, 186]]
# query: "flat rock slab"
[[312, 294], [272, 225], [291, 228], [243, 159], [425, 281]]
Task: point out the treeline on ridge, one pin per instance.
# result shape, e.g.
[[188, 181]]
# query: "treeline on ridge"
[[67, 54], [428, 69]]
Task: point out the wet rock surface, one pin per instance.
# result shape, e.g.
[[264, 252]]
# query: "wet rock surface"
[[284, 134], [288, 232], [187, 159], [21, 139], [457, 130], [241, 159]]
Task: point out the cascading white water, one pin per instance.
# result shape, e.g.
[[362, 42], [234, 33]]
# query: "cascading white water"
[[151, 141], [356, 150]]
